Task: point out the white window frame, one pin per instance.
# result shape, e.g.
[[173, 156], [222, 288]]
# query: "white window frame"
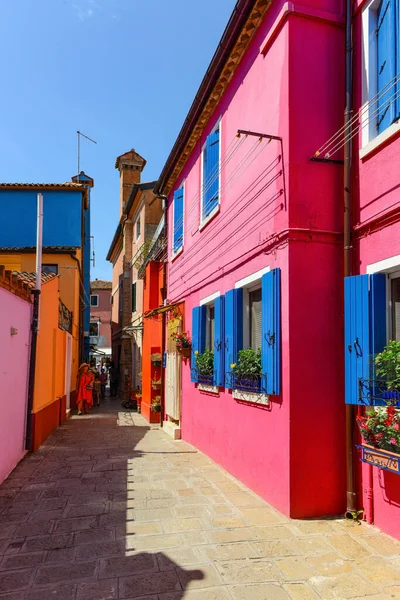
[[249, 284], [370, 139], [98, 328], [208, 302], [138, 222], [215, 211], [94, 296], [391, 268], [178, 252]]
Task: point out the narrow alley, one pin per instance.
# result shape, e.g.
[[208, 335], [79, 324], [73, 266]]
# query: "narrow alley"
[[110, 508]]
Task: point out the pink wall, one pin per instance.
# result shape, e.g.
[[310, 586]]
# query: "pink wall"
[[103, 311], [14, 367], [287, 453], [377, 196]]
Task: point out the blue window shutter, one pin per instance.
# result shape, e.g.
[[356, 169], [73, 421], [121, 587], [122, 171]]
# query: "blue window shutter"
[[198, 335], [219, 349], [233, 329], [365, 329], [386, 43], [178, 220], [271, 331], [195, 339], [211, 173]]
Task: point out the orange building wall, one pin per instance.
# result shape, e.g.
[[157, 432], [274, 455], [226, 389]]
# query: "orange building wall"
[[49, 391], [152, 338], [69, 292]]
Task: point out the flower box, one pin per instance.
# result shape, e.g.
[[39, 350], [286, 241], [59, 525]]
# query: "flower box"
[[389, 461], [185, 352]]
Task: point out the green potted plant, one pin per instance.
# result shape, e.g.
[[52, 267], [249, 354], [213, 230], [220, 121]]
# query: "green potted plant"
[[205, 367], [156, 383], [248, 370], [156, 404], [380, 426], [156, 359]]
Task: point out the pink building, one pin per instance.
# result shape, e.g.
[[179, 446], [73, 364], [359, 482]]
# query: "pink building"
[[374, 296], [255, 239], [100, 318], [15, 335]]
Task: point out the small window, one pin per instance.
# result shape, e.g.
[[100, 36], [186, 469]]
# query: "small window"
[[395, 283], [138, 228], [255, 319], [178, 221], [210, 326], [49, 269], [94, 329], [210, 194], [94, 300], [134, 297]]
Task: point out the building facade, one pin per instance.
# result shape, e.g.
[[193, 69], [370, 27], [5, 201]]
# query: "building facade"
[[255, 254], [100, 319], [140, 215], [66, 247]]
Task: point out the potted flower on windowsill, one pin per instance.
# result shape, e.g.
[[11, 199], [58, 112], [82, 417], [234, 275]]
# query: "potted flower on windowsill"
[[156, 359], [183, 343], [380, 426], [205, 367], [247, 371]]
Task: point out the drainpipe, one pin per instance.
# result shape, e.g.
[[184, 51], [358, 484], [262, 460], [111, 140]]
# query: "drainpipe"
[[350, 416], [81, 306], [34, 324], [163, 316]]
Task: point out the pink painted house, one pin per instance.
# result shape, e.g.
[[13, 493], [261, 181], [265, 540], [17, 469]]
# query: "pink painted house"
[[376, 235], [15, 335], [256, 257]]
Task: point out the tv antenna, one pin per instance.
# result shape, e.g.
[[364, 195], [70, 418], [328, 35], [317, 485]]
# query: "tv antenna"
[[79, 133]]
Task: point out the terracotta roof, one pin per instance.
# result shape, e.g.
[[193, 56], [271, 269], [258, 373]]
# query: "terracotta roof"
[[99, 284], [45, 249], [9, 281], [68, 184], [30, 278]]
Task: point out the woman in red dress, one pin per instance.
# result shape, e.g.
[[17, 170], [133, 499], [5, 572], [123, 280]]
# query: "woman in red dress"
[[85, 389]]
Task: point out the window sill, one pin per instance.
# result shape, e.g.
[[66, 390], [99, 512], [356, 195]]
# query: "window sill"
[[253, 397], [380, 139], [176, 254], [212, 389], [209, 218]]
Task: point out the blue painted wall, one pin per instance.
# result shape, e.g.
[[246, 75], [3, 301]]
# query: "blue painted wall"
[[86, 280], [61, 218]]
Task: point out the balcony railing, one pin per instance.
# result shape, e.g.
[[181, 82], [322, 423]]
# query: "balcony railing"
[[374, 392], [64, 317]]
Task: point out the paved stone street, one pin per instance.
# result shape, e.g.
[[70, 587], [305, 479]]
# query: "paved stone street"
[[111, 508]]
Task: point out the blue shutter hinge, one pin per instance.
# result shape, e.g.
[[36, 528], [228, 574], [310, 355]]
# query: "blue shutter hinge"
[[269, 338], [218, 345], [357, 348]]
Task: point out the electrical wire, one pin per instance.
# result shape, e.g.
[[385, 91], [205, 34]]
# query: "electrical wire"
[[360, 112]]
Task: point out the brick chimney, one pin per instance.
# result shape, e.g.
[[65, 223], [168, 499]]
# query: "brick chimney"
[[130, 165]]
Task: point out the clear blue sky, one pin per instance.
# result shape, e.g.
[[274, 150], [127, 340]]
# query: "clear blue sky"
[[122, 71]]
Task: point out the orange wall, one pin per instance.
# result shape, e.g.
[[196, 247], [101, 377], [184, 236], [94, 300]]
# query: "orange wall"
[[69, 289], [152, 338], [51, 347]]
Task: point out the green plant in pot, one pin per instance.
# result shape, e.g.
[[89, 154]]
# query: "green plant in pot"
[[156, 404], [156, 359], [205, 364], [247, 371], [380, 427]]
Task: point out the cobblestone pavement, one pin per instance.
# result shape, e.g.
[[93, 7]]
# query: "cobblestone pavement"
[[106, 511]]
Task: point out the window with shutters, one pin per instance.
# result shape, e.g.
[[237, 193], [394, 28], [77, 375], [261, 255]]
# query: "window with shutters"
[[210, 176], [252, 314], [178, 217], [138, 229], [380, 68], [210, 326]]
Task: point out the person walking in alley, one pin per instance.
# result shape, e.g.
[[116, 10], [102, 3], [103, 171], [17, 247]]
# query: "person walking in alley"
[[103, 383], [85, 389], [97, 389]]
